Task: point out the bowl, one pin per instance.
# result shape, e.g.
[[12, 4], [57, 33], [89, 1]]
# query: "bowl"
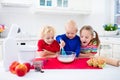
[[67, 57], [38, 63]]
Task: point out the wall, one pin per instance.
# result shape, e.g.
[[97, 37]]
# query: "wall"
[[31, 22], [101, 14]]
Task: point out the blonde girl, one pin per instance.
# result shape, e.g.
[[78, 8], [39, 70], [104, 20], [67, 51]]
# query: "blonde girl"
[[47, 45]]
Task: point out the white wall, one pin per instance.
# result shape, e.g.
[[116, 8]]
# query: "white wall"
[[101, 14], [31, 22]]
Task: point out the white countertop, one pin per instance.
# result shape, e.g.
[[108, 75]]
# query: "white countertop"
[[110, 39], [108, 73], [23, 38], [103, 39]]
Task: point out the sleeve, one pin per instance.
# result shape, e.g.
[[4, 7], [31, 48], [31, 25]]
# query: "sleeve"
[[40, 45], [78, 48], [94, 47], [56, 46], [58, 38]]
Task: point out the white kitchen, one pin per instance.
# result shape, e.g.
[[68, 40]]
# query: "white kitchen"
[[30, 15]]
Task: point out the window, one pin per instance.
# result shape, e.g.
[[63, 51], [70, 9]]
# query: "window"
[[45, 2], [55, 3], [117, 12], [62, 3]]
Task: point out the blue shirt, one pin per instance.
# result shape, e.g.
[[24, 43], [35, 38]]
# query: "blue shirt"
[[71, 44]]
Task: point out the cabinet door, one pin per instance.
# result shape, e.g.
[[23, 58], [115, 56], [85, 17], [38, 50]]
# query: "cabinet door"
[[16, 3], [116, 51], [83, 5], [64, 6], [106, 50], [27, 42], [0, 51]]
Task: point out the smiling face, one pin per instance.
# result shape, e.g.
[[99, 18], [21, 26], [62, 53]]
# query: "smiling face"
[[85, 37], [47, 34], [49, 38]]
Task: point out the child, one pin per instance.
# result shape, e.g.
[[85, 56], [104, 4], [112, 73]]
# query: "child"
[[89, 41], [70, 41], [89, 44], [47, 46]]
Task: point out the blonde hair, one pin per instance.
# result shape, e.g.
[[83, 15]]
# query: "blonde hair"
[[93, 33], [71, 24], [46, 30]]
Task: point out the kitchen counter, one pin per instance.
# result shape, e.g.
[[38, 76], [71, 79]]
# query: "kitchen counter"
[[105, 39], [2, 39], [23, 38], [107, 73], [110, 46], [26, 40], [30, 41], [110, 39]]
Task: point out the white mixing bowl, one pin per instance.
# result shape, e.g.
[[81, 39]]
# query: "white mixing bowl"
[[66, 58]]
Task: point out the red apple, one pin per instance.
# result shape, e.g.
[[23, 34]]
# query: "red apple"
[[28, 65], [21, 70], [13, 66]]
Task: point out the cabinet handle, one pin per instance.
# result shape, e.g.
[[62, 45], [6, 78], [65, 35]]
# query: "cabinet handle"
[[22, 43]]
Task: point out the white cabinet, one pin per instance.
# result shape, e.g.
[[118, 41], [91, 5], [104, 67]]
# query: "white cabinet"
[[16, 3], [83, 6], [67, 6], [27, 42], [116, 51], [106, 50], [110, 47], [0, 50]]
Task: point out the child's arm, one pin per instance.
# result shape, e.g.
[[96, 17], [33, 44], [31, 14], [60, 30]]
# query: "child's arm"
[[87, 55], [78, 47], [93, 51], [58, 38], [60, 41], [47, 54], [50, 54]]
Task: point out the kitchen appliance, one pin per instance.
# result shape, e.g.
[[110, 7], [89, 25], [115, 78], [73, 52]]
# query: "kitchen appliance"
[[12, 51], [10, 48]]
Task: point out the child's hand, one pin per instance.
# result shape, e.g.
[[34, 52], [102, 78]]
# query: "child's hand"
[[62, 43], [48, 52], [45, 51]]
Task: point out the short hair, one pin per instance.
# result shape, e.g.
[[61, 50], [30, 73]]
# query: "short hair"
[[72, 23], [46, 30]]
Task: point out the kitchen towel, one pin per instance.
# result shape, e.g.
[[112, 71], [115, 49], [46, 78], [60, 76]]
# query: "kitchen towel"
[[80, 63]]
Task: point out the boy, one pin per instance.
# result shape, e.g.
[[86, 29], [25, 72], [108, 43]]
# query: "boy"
[[70, 41]]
